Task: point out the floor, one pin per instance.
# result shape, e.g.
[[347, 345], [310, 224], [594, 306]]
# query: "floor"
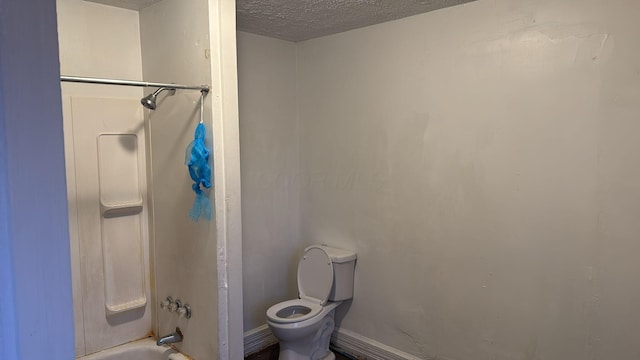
[[271, 353]]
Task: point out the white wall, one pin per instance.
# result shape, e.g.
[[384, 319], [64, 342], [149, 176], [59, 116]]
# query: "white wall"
[[35, 275], [226, 152], [269, 165], [99, 41], [174, 37], [481, 161]]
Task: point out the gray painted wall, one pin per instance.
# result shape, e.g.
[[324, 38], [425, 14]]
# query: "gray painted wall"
[[270, 167]]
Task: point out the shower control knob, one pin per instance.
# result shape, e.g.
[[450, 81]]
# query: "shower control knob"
[[175, 305], [185, 311], [166, 302]]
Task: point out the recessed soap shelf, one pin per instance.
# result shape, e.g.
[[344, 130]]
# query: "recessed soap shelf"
[[116, 210], [128, 306]]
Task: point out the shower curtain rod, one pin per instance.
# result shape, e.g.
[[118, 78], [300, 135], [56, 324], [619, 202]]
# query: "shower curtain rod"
[[92, 80]]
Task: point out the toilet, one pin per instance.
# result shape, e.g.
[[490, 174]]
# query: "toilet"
[[303, 326]]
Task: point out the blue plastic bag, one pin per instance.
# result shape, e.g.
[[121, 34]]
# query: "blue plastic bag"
[[197, 160]]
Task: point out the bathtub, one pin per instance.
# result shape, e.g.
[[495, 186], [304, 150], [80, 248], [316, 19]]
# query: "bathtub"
[[145, 349]]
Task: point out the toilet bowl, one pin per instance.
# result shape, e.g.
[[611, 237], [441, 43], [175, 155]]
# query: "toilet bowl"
[[303, 326]]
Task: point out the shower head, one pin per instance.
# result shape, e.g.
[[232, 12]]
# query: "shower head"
[[149, 101]]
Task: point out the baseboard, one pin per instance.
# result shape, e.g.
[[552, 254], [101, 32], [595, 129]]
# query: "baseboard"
[[369, 349], [347, 341], [258, 339]]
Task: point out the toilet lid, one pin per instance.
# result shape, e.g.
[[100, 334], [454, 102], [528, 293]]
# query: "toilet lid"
[[315, 276]]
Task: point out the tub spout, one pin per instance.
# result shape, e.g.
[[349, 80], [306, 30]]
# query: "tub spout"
[[171, 338]]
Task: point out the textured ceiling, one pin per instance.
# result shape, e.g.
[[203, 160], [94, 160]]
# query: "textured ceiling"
[[297, 20]]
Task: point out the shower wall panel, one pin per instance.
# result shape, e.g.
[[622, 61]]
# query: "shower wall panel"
[[101, 41], [109, 183], [175, 40]]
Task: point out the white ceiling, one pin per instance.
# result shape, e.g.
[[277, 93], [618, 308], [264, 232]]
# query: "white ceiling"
[[297, 20]]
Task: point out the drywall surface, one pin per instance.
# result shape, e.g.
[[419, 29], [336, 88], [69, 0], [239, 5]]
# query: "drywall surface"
[[36, 314], [269, 164], [99, 41], [174, 38], [226, 135], [95, 41], [482, 161]]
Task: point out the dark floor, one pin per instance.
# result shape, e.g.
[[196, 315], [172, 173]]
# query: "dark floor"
[[271, 353]]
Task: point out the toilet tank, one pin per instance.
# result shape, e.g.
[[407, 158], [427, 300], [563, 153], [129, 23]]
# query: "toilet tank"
[[344, 263]]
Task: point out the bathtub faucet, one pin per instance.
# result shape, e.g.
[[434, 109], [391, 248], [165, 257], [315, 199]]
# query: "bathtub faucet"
[[171, 338]]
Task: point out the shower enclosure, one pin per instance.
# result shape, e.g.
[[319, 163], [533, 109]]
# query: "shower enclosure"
[[132, 242]]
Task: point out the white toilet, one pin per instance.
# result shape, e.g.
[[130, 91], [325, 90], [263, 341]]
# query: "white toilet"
[[303, 326]]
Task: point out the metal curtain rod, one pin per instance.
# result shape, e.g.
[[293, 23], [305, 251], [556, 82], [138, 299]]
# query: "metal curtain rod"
[[91, 80]]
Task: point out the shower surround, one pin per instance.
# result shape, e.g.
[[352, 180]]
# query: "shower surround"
[[169, 41]]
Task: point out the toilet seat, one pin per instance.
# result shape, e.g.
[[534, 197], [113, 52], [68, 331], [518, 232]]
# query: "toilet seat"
[[315, 279], [292, 311], [315, 275]]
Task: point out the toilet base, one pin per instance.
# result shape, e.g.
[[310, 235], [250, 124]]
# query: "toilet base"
[[314, 346], [297, 356]]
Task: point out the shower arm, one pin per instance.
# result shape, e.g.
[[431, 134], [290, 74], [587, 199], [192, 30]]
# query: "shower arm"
[[91, 80]]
